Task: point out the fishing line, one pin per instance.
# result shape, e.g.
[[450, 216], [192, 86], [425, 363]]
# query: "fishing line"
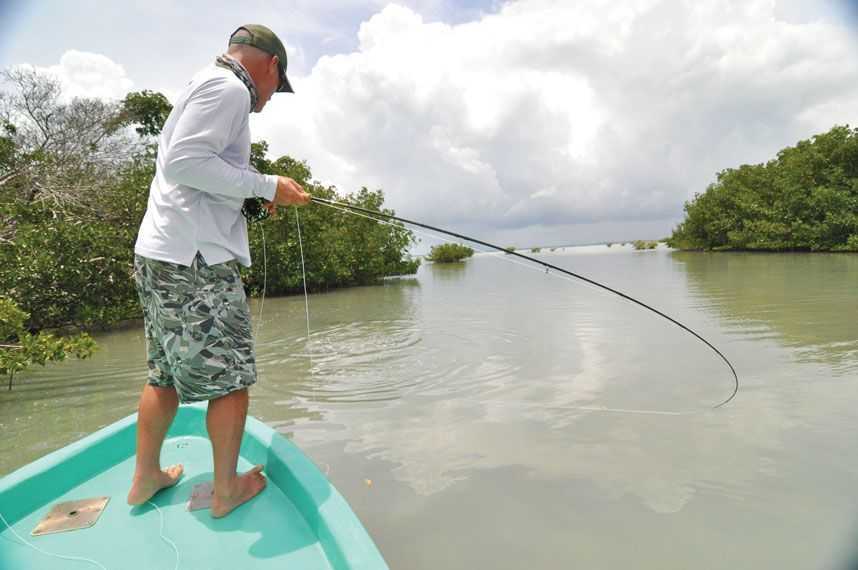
[[505, 258], [164, 537], [373, 214], [303, 273], [88, 560], [307, 309], [601, 409], [265, 287], [45, 552], [265, 275], [306, 301], [529, 267], [264, 278]]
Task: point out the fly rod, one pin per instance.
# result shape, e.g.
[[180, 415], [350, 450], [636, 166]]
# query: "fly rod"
[[548, 266]]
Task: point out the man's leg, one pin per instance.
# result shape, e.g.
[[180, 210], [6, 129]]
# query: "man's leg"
[[225, 423], [155, 414]]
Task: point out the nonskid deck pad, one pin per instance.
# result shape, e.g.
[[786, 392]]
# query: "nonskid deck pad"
[[201, 496], [71, 515]]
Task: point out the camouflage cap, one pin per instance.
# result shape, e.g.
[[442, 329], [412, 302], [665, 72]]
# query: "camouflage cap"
[[263, 38]]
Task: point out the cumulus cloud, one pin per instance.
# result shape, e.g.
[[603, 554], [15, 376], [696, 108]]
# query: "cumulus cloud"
[[547, 114], [85, 74]]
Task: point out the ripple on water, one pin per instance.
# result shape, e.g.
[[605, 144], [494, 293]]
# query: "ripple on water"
[[359, 361], [383, 360]]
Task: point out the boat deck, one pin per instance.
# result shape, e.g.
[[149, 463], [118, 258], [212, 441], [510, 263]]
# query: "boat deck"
[[298, 521], [269, 529]]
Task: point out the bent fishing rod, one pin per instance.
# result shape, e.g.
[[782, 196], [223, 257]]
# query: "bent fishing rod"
[[548, 266]]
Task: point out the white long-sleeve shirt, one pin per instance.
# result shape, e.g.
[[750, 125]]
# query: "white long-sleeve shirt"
[[203, 175]]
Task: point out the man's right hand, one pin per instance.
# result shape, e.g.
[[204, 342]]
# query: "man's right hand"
[[290, 193]]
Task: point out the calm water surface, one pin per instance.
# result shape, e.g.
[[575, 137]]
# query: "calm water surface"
[[486, 415]]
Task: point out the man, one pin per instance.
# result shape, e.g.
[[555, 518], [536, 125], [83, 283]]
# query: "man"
[[197, 321]]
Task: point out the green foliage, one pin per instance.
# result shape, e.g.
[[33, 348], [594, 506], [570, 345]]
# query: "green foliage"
[[66, 272], [449, 253], [340, 249], [641, 244], [806, 199], [19, 349], [8, 153], [12, 320], [297, 170], [75, 268], [536, 250], [67, 257], [259, 159], [146, 109], [509, 249], [851, 244]]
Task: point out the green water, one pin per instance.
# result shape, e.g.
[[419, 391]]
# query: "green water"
[[486, 415]]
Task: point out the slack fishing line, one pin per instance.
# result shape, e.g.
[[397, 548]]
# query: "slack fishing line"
[[265, 284], [382, 217], [101, 566]]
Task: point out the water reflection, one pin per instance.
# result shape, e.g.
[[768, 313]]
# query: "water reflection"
[[506, 361], [461, 395], [52, 406], [357, 350], [809, 302], [447, 271]]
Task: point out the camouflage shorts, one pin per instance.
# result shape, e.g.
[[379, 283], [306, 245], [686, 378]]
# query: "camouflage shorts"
[[198, 335]]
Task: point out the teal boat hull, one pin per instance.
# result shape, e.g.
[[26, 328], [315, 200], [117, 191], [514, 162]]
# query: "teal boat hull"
[[299, 521]]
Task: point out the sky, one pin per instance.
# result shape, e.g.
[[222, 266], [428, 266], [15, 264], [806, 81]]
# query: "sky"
[[527, 122]]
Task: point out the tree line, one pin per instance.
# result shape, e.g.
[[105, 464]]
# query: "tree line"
[[805, 199]]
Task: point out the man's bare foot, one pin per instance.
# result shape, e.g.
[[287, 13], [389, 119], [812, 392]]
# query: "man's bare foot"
[[143, 489], [246, 486]]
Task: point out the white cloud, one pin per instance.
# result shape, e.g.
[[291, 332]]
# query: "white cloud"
[[84, 74], [550, 114]]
